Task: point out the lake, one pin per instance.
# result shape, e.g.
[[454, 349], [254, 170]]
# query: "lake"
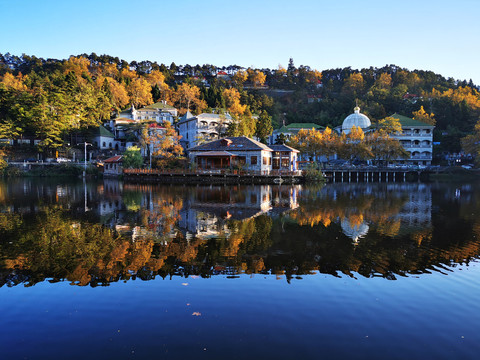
[[96, 270]]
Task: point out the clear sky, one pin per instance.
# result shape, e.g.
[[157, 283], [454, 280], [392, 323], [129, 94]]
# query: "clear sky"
[[438, 35]]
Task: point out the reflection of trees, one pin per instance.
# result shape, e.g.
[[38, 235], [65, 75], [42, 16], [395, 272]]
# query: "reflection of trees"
[[51, 244], [379, 208]]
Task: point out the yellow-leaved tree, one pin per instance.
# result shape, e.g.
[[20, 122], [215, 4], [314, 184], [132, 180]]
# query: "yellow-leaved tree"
[[423, 116], [232, 102], [256, 77]]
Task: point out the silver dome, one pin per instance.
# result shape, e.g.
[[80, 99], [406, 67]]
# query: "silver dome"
[[356, 119]]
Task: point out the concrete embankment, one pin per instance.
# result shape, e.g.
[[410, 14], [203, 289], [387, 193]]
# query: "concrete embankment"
[[212, 178]]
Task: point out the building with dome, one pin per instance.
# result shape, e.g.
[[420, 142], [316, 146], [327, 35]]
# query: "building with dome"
[[356, 119]]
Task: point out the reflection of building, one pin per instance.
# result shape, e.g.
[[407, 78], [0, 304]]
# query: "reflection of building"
[[362, 207], [207, 210], [417, 211], [354, 231]]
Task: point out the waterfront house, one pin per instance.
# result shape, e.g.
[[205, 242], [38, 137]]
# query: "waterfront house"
[[284, 158], [232, 153], [243, 153], [200, 128], [113, 166]]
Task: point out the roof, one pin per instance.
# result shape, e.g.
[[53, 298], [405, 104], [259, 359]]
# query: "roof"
[[159, 105], [304, 126], [283, 147], [114, 159], [102, 131], [216, 153], [123, 119], [186, 117], [356, 119], [238, 143], [205, 116], [214, 116], [406, 121]]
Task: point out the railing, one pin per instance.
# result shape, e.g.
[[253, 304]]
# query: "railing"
[[417, 146], [412, 134], [211, 172]]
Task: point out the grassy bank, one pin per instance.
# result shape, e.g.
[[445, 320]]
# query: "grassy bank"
[[63, 170], [454, 174]]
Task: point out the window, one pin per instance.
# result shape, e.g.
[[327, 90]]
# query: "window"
[[265, 160], [253, 160], [285, 162], [276, 163], [104, 144]]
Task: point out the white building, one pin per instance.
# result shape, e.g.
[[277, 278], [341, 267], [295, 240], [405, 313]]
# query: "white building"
[[201, 128], [417, 139]]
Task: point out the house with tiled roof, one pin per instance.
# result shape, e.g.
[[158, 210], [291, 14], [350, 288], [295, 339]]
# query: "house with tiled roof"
[[416, 138], [243, 153], [113, 166]]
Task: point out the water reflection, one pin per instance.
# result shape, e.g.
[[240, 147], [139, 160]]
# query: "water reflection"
[[97, 233]]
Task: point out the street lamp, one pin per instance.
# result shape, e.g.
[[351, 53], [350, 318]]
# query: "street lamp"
[[85, 159]]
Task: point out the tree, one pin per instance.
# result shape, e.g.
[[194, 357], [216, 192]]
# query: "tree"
[[384, 147], [354, 83], [384, 81], [140, 92], [165, 143], [390, 125], [232, 101], [423, 116], [240, 77], [244, 125], [187, 95], [308, 142], [471, 143], [264, 127], [256, 77], [3, 163], [132, 158]]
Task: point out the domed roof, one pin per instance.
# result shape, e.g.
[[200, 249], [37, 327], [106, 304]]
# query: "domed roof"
[[356, 119]]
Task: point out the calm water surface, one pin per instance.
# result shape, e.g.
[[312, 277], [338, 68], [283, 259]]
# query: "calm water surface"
[[104, 270]]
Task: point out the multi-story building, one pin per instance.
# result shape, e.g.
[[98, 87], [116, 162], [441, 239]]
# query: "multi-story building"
[[198, 129], [416, 138]]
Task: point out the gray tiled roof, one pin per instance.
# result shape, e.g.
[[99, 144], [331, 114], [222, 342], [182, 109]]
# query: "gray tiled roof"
[[282, 147], [240, 143]]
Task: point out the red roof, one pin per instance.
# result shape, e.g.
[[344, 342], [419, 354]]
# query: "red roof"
[[115, 159]]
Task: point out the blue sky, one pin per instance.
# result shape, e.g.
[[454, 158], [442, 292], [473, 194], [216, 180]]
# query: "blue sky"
[[442, 36]]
